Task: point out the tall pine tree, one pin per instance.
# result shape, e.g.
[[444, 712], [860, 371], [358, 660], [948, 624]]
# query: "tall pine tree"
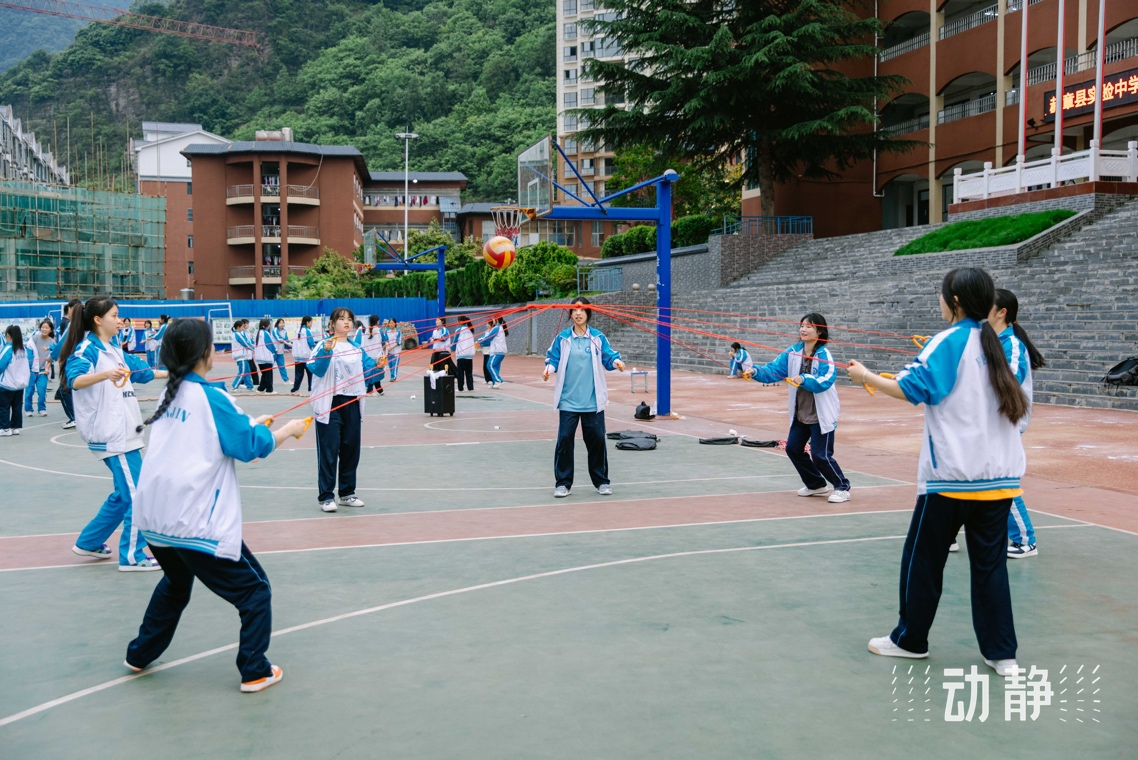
[[767, 80]]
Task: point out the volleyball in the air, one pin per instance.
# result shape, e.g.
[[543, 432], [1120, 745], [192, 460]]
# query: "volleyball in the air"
[[499, 252]]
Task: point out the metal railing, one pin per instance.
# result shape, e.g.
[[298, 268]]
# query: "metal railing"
[[1115, 52], [964, 110], [971, 21], [909, 125], [1017, 5], [768, 225], [303, 191], [267, 272], [239, 191], [908, 46], [1086, 165], [270, 191], [295, 231], [1011, 97], [272, 231], [594, 279]]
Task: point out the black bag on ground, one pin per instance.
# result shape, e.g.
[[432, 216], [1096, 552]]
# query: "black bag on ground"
[[440, 399], [726, 441], [758, 444], [622, 435], [1123, 373], [644, 412], [637, 444]]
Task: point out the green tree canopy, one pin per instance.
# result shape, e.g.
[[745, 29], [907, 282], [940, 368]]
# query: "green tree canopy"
[[712, 81], [706, 189]]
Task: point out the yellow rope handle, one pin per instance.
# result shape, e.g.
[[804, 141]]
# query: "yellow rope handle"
[[121, 382], [789, 381], [920, 340]]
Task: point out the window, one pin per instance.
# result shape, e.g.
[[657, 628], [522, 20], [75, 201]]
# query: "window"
[[190, 266], [570, 31], [569, 76], [189, 241], [598, 234], [187, 164], [588, 48], [570, 123], [587, 5], [608, 166], [570, 186], [587, 145], [614, 95], [488, 229], [570, 53], [570, 99], [189, 215], [587, 167], [570, 7], [587, 97], [189, 188], [569, 145]]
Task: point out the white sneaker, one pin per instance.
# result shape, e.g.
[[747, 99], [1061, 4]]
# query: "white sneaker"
[[560, 492], [147, 565], [251, 687], [16, 431], [837, 497], [5, 433], [329, 506], [604, 489], [1003, 668], [804, 491], [69, 424], [351, 501], [885, 647], [43, 414], [955, 546]]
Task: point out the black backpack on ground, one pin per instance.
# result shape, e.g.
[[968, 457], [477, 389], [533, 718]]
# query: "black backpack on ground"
[[1123, 373], [644, 412]]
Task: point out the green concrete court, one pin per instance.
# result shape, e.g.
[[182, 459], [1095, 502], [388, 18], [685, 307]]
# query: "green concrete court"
[[732, 626]]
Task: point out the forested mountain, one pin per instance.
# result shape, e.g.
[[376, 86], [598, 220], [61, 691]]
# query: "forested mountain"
[[22, 33], [475, 78]]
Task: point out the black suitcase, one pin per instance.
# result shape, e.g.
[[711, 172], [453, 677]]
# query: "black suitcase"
[[440, 399]]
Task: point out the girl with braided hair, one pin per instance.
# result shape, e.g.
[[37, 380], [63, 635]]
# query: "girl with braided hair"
[[101, 378], [188, 505]]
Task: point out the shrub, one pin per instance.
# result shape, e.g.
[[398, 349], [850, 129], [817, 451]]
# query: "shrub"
[[692, 230], [985, 233]]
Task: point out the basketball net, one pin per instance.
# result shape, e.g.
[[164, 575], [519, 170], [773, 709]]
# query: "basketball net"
[[508, 221]]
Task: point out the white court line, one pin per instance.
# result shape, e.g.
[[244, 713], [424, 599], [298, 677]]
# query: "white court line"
[[428, 597], [1088, 522], [438, 443], [55, 472], [55, 440]]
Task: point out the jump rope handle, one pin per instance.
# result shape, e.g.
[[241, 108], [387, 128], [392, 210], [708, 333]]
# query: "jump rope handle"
[[919, 341]]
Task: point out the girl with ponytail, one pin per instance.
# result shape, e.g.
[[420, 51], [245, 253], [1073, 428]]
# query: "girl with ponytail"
[[969, 470], [101, 378], [188, 504], [16, 361], [1023, 358]]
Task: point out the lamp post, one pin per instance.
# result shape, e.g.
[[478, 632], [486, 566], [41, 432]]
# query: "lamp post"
[[406, 137]]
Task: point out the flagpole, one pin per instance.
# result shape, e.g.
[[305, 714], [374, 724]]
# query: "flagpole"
[[1100, 64], [1060, 71], [1023, 80]]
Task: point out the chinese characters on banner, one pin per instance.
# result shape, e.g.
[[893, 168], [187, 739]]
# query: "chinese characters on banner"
[[1117, 89], [1026, 692]]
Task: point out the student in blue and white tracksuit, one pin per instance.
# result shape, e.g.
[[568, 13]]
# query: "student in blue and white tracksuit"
[[63, 392], [302, 346], [372, 344], [969, 471], [264, 355], [1023, 358], [41, 369], [188, 505], [159, 335], [464, 354], [580, 355], [102, 380], [16, 362], [440, 348], [814, 408], [741, 362], [243, 355], [394, 348], [493, 343], [149, 343], [281, 342], [341, 371]]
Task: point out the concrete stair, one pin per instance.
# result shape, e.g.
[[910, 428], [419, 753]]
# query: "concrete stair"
[[1078, 301]]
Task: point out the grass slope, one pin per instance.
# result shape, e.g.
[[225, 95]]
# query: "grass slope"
[[985, 233]]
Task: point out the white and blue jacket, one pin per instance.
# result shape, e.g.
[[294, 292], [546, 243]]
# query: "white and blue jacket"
[[280, 340], [187, 495], [819, 381], [159, 334], [58, 345], [303, 344], [968, 447], [741, 362], [604, 358], [242, 346], [494, 340], [343, 371], [1020, 363], [395, 341], [126, 337], [440, 339], [106, 416], [264, 349], [463, 343], [16, 367]]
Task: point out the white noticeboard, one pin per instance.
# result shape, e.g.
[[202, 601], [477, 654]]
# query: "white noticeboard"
[[222, 331]]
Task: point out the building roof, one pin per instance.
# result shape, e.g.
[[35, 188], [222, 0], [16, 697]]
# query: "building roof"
[[279, 146], [480, 208], [141, 145], [419, 176], [167, 126]]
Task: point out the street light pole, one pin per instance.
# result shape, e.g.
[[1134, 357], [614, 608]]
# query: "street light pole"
[[406, 137]]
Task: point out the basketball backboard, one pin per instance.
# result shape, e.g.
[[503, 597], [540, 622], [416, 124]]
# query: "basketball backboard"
[[535, 177]]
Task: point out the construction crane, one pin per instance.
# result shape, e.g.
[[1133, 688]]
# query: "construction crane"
[[117, 17]]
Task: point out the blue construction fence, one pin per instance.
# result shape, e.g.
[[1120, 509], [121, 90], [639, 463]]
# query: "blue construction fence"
[[418, 311]]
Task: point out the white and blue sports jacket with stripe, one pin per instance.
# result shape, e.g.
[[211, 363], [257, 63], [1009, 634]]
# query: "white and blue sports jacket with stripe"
[[968, 445], [819, 381], [106, 416], [242, 346], [1020, 363], [16, 367], [188, 496], [303, 344], [493, 341], [605, 357], [265, 348]]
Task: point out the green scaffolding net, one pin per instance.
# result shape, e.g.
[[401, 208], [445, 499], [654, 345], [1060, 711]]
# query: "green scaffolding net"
[[65, 242]]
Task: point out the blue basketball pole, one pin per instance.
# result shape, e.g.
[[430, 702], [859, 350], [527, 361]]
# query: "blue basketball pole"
[[664, 293]]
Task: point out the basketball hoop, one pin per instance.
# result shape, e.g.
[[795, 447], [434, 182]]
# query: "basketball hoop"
[[360, 267], [508, 220]]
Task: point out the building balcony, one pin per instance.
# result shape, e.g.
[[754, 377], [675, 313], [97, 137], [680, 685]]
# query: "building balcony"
[[964, 110], [889, 53], [245, 234], [297, 194], [270, 275], [971, 21], [1115, 52], [908, 126]]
